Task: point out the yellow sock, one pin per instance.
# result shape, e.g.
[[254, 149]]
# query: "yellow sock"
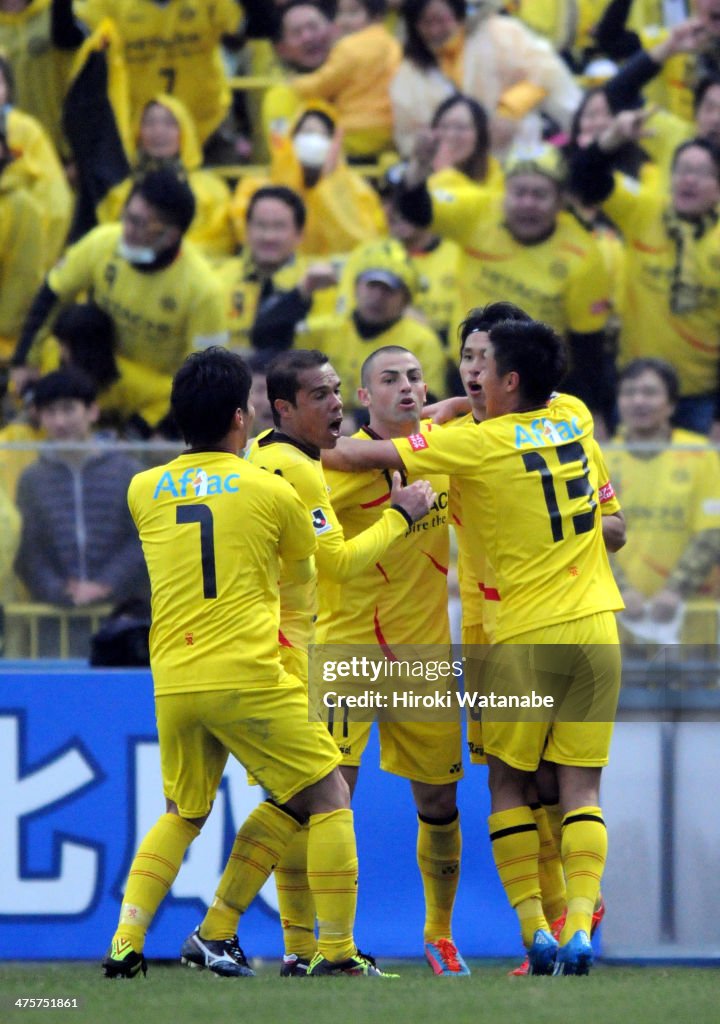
[[584, 850], [258, 846], [516, 848], [550, 869], [555, 816], [152, 872], [333, 876], [295, 901], [438, 855]]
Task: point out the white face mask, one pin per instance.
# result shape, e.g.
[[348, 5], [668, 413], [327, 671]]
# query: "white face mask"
[[311, 148], [142, 255]]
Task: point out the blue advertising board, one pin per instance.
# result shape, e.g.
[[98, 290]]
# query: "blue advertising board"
[[80, 785]]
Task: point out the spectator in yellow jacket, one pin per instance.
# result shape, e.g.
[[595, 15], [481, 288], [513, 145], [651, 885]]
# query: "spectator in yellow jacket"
[[356, 77], [38, 38], [342, 209], [385, 284], [167, 137], [37, 164], [22, 244]]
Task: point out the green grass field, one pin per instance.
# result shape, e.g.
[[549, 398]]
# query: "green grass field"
[[171, 994]]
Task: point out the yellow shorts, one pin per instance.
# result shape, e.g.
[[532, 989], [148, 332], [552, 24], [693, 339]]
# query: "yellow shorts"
[[265, 728], [474, 635], [586, 654], [428, 752]]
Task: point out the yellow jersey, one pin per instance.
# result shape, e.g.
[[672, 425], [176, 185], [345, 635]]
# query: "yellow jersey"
[[478, 593], [160, 316], [562, 280], [173, 48], [336, 559], [668, 497], [531, 493], [403, 595], [213, 528]]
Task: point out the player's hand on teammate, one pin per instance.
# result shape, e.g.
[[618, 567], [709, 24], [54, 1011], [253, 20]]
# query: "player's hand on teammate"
[[416, 499]]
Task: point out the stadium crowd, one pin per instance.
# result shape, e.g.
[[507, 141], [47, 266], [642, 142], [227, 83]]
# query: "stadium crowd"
[[328, 188]]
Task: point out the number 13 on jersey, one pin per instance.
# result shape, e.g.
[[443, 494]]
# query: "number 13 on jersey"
[[559, 490]]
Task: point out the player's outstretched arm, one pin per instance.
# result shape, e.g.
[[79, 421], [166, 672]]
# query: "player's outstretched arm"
[[447, 409], [350, 454]]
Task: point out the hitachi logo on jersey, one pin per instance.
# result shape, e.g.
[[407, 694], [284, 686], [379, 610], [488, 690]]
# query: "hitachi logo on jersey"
[[606, 493], [543, 432], [417, 442], [195, 482]]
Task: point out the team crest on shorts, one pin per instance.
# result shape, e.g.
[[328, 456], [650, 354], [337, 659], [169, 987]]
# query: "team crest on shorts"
[[320, 521]]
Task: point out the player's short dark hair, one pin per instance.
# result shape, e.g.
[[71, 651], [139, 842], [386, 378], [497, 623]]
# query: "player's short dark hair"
[[283, 372], [482, 318], [169, 194], [699, 143], [664, 371], [283, 195], [207, 390], [535, 352], [89, 334], [368, 364], [70, 383]]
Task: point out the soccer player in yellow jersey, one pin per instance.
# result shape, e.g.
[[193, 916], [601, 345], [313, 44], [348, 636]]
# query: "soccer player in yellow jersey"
[[532, 489], [479, 597], [523, 247], [401, 597], [304, 392], [669, 483], [156, 287], [214, 529]]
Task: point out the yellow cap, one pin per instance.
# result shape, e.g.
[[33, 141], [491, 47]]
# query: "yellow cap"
[[388, 263], [537, 159]]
